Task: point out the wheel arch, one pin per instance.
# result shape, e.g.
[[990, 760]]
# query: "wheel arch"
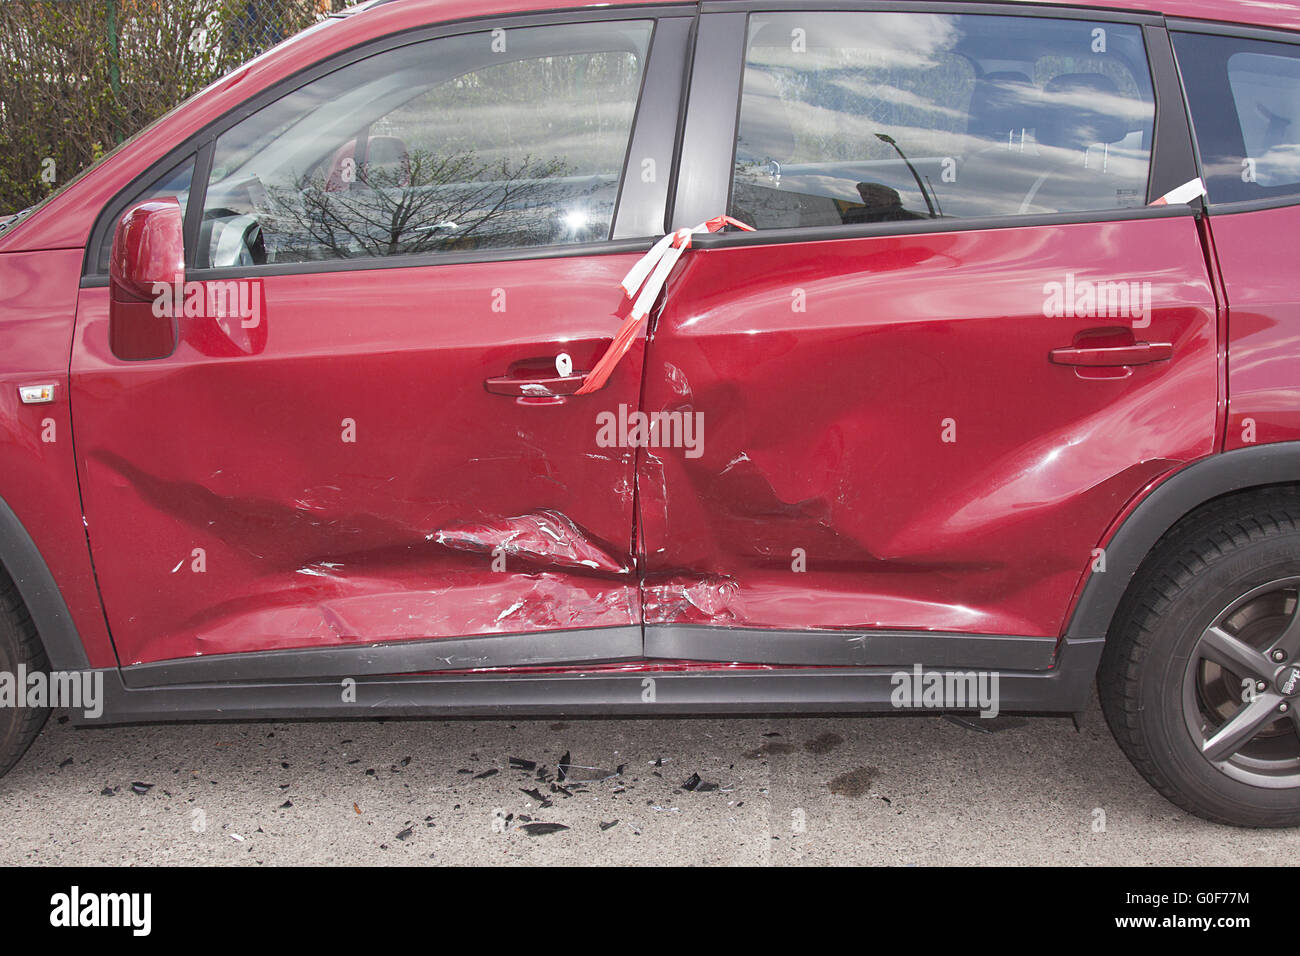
[[1231, 472], [23, 563]]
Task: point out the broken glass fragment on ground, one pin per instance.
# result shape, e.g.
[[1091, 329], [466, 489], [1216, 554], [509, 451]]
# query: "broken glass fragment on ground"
[[576, 773]]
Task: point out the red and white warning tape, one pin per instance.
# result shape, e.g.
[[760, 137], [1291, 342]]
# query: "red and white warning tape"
[[642, 284], [1183, 194]]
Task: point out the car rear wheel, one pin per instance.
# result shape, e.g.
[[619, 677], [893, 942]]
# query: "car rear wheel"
[[1200, 679], [20, 650]]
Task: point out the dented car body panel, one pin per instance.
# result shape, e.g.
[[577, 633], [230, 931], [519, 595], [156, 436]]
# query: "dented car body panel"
[[883, 423], [829, 452], [351, 480]]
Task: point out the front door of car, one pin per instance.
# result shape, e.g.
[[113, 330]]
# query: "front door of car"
[[380, 445], [958, 343]]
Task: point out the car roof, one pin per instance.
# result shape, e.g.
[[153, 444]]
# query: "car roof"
[[1263, 13]]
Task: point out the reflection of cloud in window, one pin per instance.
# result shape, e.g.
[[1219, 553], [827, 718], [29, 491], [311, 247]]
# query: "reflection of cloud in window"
[[1133, 111], [888, 40], [897, 96]]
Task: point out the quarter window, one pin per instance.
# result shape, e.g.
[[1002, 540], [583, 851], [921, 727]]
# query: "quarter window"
[[1245, 102], [501, 139], [851, 118]]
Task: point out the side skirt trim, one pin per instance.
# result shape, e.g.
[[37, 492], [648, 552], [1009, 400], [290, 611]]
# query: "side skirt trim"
[[682, 642], [1065, 688], [584, 646]]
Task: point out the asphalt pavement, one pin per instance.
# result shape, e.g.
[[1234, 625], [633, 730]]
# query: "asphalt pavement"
[[781, 791]]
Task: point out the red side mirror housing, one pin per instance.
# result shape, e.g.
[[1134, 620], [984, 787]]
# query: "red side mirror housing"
[[148, 252]]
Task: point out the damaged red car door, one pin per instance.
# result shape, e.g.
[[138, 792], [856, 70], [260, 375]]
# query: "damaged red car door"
[[389, 451], [945, 360]]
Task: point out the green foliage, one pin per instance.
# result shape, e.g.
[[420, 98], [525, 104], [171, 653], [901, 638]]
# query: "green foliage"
[[79, 76]]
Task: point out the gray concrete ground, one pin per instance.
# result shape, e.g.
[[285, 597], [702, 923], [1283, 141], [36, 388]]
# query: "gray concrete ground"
[[892, 790]]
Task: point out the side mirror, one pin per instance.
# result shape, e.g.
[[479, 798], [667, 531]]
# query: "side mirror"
[[148, 252]]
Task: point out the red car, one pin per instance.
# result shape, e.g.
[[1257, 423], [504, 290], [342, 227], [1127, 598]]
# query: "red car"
[[362, 383]]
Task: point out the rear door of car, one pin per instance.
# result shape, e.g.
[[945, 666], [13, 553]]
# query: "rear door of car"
[[379, 447], [1243, 92], [961, 339]]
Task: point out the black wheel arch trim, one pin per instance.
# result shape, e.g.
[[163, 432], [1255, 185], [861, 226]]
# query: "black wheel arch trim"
[[1169, 502], [39, 591]]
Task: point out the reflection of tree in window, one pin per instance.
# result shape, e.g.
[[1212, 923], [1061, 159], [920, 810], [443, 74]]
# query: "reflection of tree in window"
[[428, 203]]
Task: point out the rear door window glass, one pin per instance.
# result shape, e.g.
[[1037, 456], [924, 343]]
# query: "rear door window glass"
[[850, 118]]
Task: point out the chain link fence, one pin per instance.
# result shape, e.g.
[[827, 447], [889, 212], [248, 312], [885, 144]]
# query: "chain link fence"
[[79, 76]]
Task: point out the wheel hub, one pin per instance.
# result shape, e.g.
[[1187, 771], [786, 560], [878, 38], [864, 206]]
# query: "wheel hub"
[[1241, 687]]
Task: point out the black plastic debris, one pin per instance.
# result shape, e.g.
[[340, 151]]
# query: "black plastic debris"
[[142, 788], [543, 801], [986, 725], [486, 773], [696, 784], [519, 763], [405, 834], [286, 805], [606, 826], [66, 763], [108, 792], [541, 829], [563, 770]]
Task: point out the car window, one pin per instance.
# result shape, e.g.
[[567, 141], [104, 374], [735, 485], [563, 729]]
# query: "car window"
[[850, 118], [500, 139], [1245, 103], [175, 182]]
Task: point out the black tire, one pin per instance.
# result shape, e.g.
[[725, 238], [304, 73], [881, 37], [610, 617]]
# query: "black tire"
[[1181, 679], [19, 645]]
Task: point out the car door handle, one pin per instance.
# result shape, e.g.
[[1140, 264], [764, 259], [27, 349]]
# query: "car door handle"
[[547, 390], [1139, 353]]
